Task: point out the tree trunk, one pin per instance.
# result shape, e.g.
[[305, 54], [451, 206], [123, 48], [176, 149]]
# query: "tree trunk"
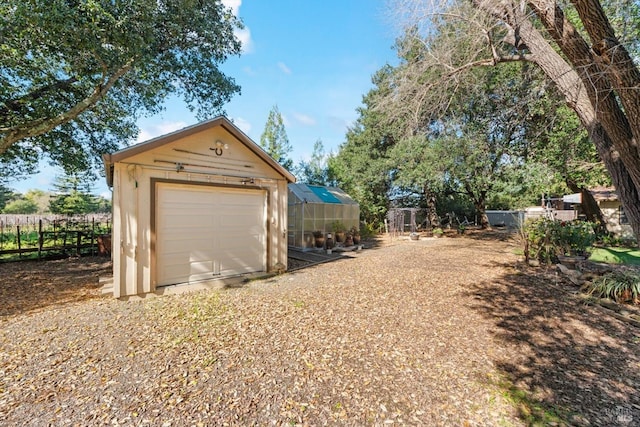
[[586, 88], [484, 219], [432, 214], [589, 206], [480, 204]]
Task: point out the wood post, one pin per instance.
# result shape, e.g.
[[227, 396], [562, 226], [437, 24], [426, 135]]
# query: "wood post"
[[19, 245], [40, 239]]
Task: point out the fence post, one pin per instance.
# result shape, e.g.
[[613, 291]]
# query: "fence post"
[[64, 241], [40, 239], [19, 246]]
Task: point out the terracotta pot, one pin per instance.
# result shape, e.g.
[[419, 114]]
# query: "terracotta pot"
[[348, 241]]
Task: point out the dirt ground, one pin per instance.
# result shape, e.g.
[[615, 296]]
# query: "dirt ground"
[[450, 331]]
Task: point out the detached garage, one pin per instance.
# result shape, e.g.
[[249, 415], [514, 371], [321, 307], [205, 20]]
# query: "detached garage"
[[201, 203]]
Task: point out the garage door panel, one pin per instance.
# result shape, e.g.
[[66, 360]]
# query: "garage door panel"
[[186, 247], [206, 232]]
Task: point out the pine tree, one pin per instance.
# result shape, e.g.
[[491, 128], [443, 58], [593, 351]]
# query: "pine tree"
[[274, 139], [73, 196]]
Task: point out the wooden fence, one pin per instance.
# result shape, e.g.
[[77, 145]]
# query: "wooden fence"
[[29, 237]]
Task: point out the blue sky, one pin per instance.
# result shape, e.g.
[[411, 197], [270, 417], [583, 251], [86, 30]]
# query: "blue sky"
[[313, 59]]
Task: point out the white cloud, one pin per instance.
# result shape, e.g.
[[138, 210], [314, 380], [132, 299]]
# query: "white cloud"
[[234, 5], [243, 124], [284, 68], [158, 130], [244, 35], [304, 119]]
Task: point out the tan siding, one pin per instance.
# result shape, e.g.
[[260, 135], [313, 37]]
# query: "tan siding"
[[133, 199], [194, 153], [116, 237]]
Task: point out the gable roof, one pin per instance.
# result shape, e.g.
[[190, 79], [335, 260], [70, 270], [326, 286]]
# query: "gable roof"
[[110, 158]]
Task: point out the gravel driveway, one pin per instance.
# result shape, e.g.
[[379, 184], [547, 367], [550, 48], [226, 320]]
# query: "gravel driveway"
[[434, 332]]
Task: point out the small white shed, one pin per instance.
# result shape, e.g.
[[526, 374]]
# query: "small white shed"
[[202, 203]]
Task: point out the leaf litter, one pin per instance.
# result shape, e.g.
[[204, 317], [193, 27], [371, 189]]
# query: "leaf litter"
[[434, 332]]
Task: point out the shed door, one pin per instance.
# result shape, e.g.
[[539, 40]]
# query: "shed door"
[[207, 232]]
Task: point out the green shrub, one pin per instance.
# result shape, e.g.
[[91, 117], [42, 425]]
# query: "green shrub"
[[618, 286], [546, 239]]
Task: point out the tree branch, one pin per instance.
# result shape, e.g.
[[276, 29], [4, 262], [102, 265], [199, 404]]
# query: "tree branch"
[[16, 104], [41, 126]]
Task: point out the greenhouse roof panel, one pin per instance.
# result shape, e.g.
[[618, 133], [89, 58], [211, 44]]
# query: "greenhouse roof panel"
[[323, 194], [319, 194]]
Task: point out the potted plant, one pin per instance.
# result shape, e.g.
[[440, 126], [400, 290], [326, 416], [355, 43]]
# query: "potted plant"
[[355, 234], [318, 238], [339, 231], [437, 232], [348, 239]]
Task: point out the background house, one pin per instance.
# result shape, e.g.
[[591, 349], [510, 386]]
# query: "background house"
[[201, 203], [612, 211]]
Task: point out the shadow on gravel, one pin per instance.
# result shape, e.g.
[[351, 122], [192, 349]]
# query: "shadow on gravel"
[[576, 365], [34, 285], [496, 234]]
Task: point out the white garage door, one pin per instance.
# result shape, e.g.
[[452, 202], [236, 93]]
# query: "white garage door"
[[208, 232]]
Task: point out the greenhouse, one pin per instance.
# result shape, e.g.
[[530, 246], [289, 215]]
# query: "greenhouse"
[[316, 210]]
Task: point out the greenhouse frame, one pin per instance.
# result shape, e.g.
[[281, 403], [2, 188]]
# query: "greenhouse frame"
[[317, 208]]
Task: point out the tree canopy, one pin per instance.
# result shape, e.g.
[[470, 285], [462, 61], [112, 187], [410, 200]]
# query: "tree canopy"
[[274, 139], [361, 167], [76, 74], [315, 171], [575, 44]]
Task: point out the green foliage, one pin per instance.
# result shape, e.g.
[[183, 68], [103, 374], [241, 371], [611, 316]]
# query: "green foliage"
[[75, 75], [102, 205], [338, 227], [6, 196], [274, 139], [21, 206], [361, 167], [54, 235], [72, 196], [33, 201], [564, 148], [40, 198], [546, 239], [620, 286], [315, 171]]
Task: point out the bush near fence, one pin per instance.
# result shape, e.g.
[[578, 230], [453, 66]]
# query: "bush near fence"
[[38, 236]]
